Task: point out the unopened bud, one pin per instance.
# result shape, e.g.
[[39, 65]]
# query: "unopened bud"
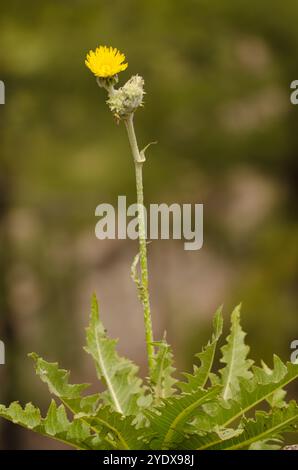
[[127, 99]]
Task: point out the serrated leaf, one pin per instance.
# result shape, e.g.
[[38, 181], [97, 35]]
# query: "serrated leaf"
[[251, 393], [76, 433], [267, 444], [57, 379], [234, 355], [277, 399], [196, 419], [197, 439], [56, 420], [55, 425], [262, 427], [29, 417], [119, 374], [206, 357], [162, 379], [263, 432], [121, 430], [167, 421]]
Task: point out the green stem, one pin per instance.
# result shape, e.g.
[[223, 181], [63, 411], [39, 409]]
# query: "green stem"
[[144, 291]]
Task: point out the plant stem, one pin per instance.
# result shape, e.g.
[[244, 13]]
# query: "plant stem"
[[143, 286]]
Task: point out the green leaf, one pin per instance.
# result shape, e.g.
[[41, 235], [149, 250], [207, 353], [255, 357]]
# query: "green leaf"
[[251, 393], [70, 395], [56, 424], [201, 374], [128, 416], [161, 378], [277, 399], [264, 426], [167, 421], [195, 439], [263, 432], [120, 429], [267, 444], [119, 374], [57, 382], [57, 379], [56, 421], [29, 417], [234, 355]]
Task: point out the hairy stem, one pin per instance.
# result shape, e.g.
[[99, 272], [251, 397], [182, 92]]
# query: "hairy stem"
[[143, 287]]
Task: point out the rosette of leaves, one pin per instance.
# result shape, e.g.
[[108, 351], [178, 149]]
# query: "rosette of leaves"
[[241, 406]]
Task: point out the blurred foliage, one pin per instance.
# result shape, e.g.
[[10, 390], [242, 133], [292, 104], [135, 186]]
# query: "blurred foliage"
[[218, 80]]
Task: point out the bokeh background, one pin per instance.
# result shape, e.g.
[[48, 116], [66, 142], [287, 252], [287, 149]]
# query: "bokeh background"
[[218, 80]]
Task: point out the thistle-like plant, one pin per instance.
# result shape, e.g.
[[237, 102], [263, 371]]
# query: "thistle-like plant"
[[241, 406]]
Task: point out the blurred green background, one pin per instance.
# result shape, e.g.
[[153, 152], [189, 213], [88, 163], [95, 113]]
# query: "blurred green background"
[[218, 80]]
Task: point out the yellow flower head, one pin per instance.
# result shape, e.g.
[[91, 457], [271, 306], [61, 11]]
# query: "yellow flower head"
[[105, 62]]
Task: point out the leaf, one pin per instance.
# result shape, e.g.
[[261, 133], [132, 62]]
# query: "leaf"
[[262, 432], [56, 424], [251, 393], [57, 379], [167, 421], [201, 374], [29, 417], [122, 433], [161, 377], [264, 426], [196, 419], [119, 374], [267, 444], [198, 439], [277, 399], [56, 421], [234, 355], [57, 382], [142, 152]]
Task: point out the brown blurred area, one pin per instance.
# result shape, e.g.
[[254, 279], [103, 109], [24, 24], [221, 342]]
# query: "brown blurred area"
[[217, 78]]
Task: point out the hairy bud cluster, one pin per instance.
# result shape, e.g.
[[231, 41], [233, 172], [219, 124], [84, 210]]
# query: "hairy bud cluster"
[[127, 99]]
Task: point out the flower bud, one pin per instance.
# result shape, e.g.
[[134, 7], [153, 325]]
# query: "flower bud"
[[127, 99]]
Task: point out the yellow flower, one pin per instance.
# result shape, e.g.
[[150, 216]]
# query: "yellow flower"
[[105, 61]]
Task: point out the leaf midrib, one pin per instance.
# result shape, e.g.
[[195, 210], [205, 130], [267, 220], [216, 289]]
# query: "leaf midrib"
[[244, 410], [263, 434], [106, 375], [114, 430], [230, 368], [178, 419]]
